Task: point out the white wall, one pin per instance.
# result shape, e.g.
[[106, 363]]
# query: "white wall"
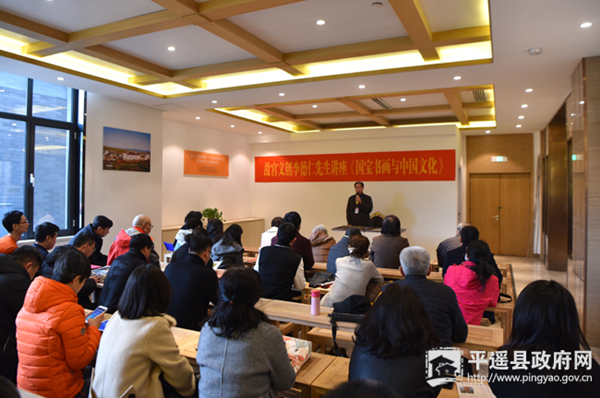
[[121, 195], [181, 194], [428, 209]]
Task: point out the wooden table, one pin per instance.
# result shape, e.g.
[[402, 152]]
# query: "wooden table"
[[387, 273], [310, 371], [251, 251]]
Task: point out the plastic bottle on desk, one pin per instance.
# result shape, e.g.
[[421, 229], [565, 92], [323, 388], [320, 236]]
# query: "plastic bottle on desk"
[[315, 302]]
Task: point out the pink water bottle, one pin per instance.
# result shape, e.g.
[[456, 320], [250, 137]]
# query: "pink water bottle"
[[315, 302]]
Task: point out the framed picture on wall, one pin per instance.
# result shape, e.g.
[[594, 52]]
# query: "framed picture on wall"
[[126, 150]]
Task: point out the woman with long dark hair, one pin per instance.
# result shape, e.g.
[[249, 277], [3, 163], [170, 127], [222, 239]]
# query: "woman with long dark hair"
[[229, 250], [545, 323], [391, 342], [214, 227], [474, 282], [240, 354], [386, 248]]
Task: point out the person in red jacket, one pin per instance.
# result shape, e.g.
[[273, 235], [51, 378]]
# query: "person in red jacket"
[[474, 282], [141, 225], [53, 341]]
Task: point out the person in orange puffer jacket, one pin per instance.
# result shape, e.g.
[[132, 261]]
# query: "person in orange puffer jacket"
[[53, 341]]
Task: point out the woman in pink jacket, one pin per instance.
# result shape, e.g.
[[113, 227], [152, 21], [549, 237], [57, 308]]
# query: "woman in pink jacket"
[[474, 282]]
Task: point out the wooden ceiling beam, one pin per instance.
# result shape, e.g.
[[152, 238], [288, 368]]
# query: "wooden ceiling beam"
[[364, 111], [222, 9], [117, 57], [462, 36], [288, 117], [136, 26], [415, 23], [453, 98], [393, 123], [32, 29], [179, 7], [327, 115], [479, 105]]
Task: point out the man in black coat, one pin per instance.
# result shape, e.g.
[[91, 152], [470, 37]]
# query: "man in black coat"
[[340, 249], [300, 245], [194, 284], [438, 299], [279, 265], [449, 244], [16, 272], [45, 238], [358, 210], [85, 243], [98, 229], [140, 247]]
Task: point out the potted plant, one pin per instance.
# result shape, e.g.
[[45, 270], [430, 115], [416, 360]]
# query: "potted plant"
[[210, 213]]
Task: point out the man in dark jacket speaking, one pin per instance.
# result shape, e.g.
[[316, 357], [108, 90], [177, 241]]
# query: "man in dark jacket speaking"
[[359, 207]]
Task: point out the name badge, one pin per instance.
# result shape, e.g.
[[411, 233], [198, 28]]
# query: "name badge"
[[356, 211]]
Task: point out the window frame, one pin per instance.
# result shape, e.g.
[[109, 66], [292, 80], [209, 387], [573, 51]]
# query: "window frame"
[[76, 159]]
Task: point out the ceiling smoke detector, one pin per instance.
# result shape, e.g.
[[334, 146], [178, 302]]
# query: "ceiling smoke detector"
[[535, 51], [376, 4]]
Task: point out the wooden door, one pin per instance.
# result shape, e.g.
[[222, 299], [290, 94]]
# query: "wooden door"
[[515, 214], [484, 201], [500, 208]]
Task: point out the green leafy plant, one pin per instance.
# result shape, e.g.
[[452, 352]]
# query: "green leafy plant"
[[210, 213]]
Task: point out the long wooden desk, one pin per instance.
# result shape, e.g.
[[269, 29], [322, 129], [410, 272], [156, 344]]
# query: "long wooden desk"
[[387, 273]]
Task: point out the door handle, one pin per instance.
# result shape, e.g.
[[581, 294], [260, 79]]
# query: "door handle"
[[496, 217]]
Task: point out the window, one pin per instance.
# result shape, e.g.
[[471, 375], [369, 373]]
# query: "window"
[[41, 152]]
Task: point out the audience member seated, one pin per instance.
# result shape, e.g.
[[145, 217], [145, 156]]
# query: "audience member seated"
[[16, 224], [240, 354], [188, 228], [194, 284], [340, 249], [321, 243], [229, 250], [362, 389], [301, 245], [449, 244], [182, 252], [140, 247], [269, 234], [84, 243], [280, 267], [45, 238], [53, 341], [214, 227], [138, 346], [456, 256], [439, 300], [545, 324], [141, 225], [191, 214], [353, 273], [474, 282], [386, 248], [98, 229], [16, 272], [391, 343]]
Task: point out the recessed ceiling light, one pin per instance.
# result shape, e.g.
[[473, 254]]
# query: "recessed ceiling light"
[[581, 102], [214, 101], [535, 51], [487, 131], [197, 117], [457, 77], [281, 94], [171, 48], [529, 90], [585, 25], [521, 117], [60, 78], [320, 22], [362, 86], [524, 106], [519, 126], [260, 132], [232, 126], [402, 99], [315, 106]]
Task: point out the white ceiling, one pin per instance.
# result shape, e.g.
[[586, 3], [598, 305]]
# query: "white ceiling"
[[517, 25]]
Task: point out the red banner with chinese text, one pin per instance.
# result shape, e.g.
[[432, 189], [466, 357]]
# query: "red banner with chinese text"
[[437, 165]]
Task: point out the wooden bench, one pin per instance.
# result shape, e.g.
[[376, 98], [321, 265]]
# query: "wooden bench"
[[322, 338]]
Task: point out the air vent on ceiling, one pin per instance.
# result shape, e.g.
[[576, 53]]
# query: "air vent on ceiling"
[[479, 95], [382, 103], [168, 107]]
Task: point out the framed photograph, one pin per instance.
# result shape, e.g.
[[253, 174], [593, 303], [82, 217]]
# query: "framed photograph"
[[126, 150]]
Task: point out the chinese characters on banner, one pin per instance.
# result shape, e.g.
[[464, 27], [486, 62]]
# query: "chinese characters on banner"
[[438, 165], [206, 164]]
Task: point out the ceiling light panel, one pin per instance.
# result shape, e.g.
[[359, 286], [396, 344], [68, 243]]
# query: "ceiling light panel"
[[448, 15], [75, 15], [195, 47], [286, 29]]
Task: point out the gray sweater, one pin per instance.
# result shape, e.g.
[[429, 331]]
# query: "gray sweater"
[[254, 366]]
